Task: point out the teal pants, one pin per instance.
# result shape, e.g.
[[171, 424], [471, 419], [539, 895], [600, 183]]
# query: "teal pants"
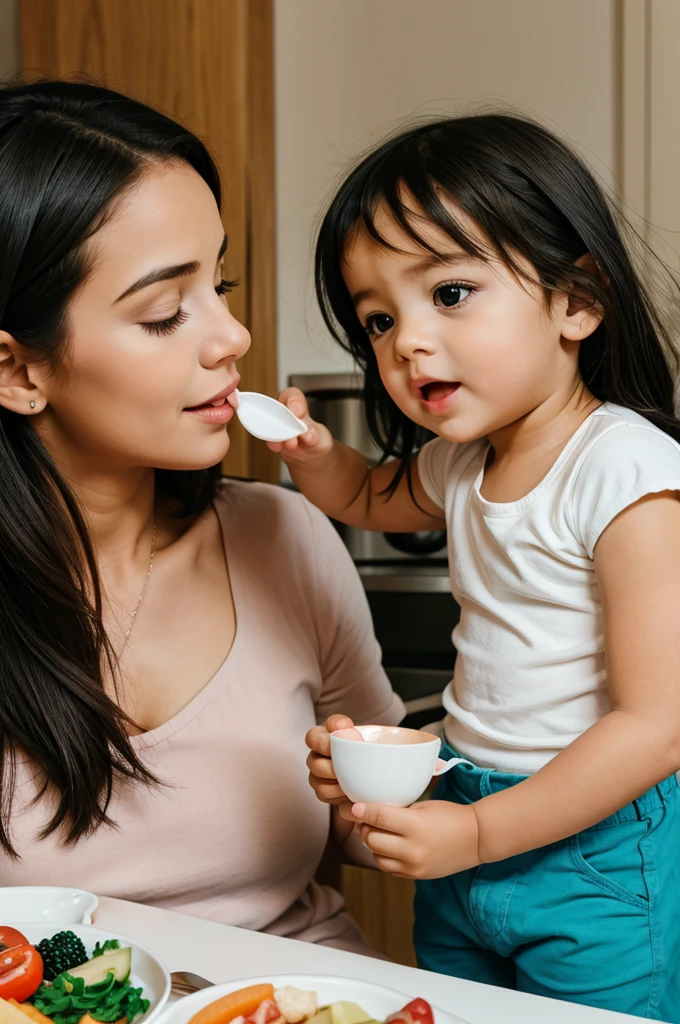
[[594, 919]]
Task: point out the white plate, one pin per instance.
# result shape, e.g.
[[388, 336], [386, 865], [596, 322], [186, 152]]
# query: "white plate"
[[147, 970], [374, 999], [46, 903]]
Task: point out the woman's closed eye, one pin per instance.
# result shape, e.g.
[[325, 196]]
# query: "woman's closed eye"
[[171, 323]]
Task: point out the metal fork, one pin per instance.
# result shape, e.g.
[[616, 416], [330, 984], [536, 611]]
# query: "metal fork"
[[185, 982]]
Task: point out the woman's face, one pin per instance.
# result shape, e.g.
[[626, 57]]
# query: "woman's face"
[[151, 340]]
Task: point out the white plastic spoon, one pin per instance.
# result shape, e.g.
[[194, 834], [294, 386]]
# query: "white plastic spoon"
[[265, 418]]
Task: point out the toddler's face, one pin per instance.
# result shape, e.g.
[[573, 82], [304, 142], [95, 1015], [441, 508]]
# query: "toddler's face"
[[463, 347]]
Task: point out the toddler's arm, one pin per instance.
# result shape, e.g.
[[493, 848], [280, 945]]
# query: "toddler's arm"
[[637, 744], [339, 481], [632, 748]]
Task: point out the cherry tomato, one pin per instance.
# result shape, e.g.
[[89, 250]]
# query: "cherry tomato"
[[21, 971], [418, 1011], [10, 937]]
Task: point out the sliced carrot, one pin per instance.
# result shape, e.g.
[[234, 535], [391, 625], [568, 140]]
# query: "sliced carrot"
[[237, 1004], [87, 1019], [31, 1011]]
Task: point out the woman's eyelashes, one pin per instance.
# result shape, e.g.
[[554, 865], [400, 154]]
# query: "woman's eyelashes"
[[171, 323], [448, 296]]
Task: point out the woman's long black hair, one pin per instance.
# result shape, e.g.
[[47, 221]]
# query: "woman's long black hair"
[[531, 197], [67, 151]]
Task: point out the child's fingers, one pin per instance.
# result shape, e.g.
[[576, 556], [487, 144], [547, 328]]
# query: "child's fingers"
[[295, 400], [346, 813], [320, 766], [336, 722], [327, 792], [383, 844], [391, 867], [318, 740], [398, 820]]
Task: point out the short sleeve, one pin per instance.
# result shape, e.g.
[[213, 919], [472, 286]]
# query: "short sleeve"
[[622, 466], [434, 460], [354, 681]]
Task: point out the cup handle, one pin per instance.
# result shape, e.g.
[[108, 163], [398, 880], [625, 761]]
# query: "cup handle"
[[443, 766]]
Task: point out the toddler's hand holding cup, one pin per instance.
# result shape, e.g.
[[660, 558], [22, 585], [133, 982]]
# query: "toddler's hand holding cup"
[[322, 777]]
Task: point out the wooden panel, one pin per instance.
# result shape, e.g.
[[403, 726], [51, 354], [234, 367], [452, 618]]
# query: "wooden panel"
[[383, 907], [208, 63]]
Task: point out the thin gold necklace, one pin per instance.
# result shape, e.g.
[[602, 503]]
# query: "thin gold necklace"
[[133, 615]]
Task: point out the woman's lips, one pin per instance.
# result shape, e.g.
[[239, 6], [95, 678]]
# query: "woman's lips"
[[438, 396], [215, 412]]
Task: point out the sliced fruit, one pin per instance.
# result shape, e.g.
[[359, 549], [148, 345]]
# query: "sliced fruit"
[[241, 1003], [99, 968], [10, 1014], [348, 1013], [31, 1011], [321, 1017]]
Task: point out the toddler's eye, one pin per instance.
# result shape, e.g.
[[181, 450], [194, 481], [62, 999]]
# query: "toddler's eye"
[[378, 323], [450, 294]]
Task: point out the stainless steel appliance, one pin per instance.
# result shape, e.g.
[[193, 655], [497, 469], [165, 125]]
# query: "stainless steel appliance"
[[405, 575]]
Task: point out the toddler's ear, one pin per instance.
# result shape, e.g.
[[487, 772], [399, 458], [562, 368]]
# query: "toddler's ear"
[[583, 314]]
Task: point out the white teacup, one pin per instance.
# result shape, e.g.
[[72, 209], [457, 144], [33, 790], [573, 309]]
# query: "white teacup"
[[391, 766]]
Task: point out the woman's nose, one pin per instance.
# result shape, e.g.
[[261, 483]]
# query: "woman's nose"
[[229, 340]]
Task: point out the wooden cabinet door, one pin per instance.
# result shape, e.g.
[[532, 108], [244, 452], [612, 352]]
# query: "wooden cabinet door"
[[210, 64]]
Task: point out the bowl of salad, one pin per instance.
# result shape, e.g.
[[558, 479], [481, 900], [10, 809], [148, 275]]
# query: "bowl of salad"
[[77, 974], [304, 999]]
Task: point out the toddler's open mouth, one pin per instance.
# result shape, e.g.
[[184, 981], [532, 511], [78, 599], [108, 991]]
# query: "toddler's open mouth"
[[437, 395], [435, 390]]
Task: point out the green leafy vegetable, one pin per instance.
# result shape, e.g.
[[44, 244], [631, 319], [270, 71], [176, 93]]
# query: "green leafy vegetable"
[[68, 999], [109, 944]]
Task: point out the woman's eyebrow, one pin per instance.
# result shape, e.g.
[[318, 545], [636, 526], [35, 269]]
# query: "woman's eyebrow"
[[168, 273]]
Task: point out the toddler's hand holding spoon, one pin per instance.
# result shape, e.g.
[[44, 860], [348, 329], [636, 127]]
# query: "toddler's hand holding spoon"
[[312, 446]]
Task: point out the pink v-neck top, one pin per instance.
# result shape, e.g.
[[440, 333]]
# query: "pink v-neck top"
[[236, 834]]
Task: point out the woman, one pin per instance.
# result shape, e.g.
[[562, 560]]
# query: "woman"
[[166, 639]]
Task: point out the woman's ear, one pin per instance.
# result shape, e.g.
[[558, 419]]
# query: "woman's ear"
[[20, 390], [582, 314]]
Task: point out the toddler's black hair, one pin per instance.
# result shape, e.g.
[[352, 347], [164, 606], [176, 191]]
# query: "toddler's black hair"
[[531, 197]]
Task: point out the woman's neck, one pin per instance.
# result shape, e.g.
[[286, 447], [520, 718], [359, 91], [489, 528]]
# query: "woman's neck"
[[119, 509]]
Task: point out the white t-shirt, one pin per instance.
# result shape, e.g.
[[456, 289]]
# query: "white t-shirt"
[[530, 672]]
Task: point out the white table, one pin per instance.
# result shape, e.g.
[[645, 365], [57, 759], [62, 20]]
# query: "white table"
[[223, 953]]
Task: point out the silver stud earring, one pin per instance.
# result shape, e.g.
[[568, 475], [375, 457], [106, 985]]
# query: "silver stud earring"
[[32, 405]]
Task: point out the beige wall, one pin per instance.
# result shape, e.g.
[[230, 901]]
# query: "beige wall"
[[9, 55], [348, 70]]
